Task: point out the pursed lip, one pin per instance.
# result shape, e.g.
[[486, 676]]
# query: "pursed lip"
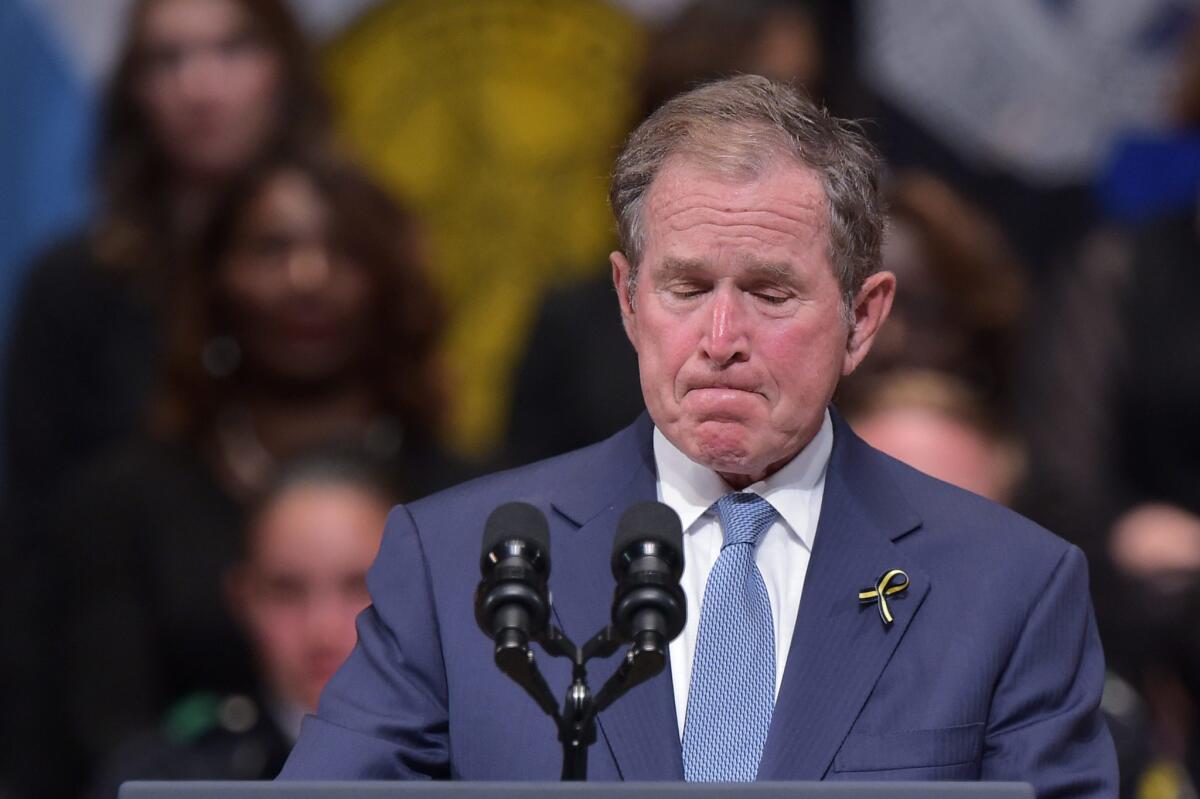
[[717, 387]]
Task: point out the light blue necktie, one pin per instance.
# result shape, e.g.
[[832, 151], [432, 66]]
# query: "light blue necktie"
[[732, 694]]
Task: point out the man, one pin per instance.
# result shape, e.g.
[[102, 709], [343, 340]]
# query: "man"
[[748, 283]]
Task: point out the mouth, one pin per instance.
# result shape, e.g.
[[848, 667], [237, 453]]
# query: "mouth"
[[722, 402], [732, 389]]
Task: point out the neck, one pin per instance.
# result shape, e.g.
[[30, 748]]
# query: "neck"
[[260, 428], [740, 481], [192, 197], [287, 424]]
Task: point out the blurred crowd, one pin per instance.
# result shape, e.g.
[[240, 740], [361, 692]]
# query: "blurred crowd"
[[323, 277]]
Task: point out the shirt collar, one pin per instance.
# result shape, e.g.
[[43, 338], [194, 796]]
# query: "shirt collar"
[[691, 489]]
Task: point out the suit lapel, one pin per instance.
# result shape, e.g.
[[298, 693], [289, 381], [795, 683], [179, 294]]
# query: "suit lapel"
[[640, 728], [839, 647]]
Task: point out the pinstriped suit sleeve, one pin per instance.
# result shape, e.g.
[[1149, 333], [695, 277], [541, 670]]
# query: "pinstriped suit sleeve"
[[1045, 725]]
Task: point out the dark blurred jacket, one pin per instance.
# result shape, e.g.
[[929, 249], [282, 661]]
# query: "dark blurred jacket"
[[203, 737], [577, 381]]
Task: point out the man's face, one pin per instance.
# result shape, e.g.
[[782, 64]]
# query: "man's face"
[[737, 317]]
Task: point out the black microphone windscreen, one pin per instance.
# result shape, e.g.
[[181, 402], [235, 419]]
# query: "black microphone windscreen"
[[649, 521], [516, 520]]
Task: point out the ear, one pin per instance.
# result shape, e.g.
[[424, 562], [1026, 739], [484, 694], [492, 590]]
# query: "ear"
[[621, 270], [871, 307]]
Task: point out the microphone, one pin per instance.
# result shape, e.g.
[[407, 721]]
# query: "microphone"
[[649, 607], [512, 602]]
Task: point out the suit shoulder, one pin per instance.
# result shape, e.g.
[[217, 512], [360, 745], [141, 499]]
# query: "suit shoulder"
[[534, 483], [985, 561], [463, 509], [952, 514]]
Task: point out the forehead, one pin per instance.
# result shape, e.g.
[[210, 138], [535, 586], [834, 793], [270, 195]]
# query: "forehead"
[[317, 524], [781, 208], [181, 21]]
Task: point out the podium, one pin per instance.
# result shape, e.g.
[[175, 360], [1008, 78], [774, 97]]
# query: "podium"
[[576, 790]]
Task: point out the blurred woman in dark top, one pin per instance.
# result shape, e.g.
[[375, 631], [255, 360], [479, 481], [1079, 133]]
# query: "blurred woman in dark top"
[[307, 319], [305, 322], [200, 89]]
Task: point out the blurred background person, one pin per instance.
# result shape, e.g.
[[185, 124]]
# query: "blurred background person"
[[305, 321], [295, 591], [935, 423], [1016, 105], [1115, 458], [963, 302], [200, 89], [309, 317], [708, 39], [1115, 461]]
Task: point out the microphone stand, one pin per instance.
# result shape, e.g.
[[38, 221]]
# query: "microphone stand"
[[576, 721]]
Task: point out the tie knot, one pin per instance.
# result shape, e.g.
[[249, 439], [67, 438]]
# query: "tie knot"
[[744, 517]]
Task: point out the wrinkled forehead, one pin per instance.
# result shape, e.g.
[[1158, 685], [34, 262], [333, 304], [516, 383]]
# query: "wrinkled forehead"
[[776, 199]]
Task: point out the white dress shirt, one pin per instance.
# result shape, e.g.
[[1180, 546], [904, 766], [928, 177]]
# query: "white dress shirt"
[[795, 491]]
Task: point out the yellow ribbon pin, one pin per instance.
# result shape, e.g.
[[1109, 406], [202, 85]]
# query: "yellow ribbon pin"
[[890, 583]]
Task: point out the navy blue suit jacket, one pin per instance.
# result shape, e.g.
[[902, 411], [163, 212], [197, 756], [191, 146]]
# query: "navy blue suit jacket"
[[992, 669]]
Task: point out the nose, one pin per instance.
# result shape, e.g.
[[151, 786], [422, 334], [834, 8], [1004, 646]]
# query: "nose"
[[308, 268], [199, 76], [726, 339]]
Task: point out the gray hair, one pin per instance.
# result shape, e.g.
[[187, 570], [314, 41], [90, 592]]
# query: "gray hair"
[[738, 126]]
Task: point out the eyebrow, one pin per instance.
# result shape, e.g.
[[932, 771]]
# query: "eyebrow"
[[672, 267], [778, 271]]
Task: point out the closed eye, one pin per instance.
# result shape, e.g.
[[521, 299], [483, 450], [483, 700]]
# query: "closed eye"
[[686, 289]]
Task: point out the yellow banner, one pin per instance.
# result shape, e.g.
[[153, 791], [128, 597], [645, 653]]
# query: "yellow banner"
[[497, 122]]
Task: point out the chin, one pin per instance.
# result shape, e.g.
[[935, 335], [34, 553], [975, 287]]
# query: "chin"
[[720, 447]]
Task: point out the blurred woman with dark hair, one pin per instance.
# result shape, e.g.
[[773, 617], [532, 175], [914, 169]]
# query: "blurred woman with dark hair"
[[306, 322], [307, 318], [201, 88]]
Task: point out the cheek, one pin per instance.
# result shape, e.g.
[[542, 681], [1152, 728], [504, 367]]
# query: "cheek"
[[266, 78], [162, 108], [352, 291], [663, 349], [807, 365], [255, 90], [658, 369], [280, 635], [250, 294]]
